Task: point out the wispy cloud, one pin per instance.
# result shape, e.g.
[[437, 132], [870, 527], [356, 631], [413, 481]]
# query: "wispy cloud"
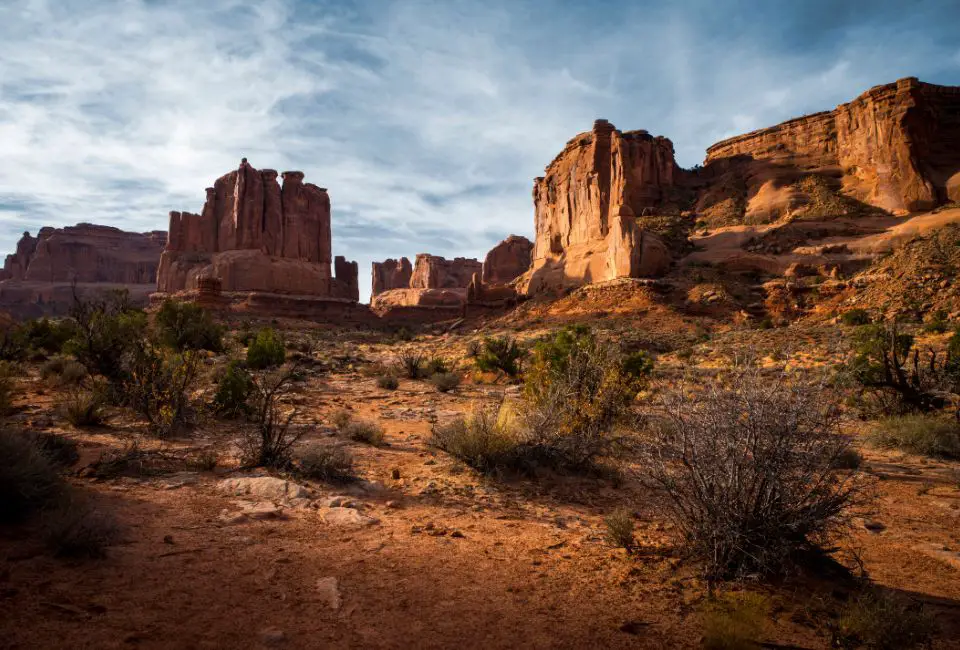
[[426, 120]]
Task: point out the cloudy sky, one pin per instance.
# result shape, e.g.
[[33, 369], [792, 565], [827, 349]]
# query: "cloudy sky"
[[427, 121]]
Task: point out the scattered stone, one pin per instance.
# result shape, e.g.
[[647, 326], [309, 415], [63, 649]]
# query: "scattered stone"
[[338, 501], [267, 487], [346, 517], [272, 636], [329, 592]]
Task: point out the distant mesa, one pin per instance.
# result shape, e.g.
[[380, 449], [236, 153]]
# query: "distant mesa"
[[37, 280], [257, 235]]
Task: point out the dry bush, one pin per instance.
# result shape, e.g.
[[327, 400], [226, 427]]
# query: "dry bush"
[[271, 441], [411, 364], [159, 387], [437, 366], [445, 381], [82, 407], [29, 480], [341, 418], [75, 529], [364, 431], [883, 621], [925, 435], [483, 441], [620, 525], [326, 463], [747, 464], [6, 387], [388, 382], [205, 460], [59, 449]]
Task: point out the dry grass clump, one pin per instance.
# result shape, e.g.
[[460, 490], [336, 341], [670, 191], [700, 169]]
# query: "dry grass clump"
[[483, 440], [82, 407], [620, 526], [75, 529], [748, 467], [358, 430], [734, 621], [925, 435], [29, 480], [445, 382], [326, 463], [884, 621], [388, 382]]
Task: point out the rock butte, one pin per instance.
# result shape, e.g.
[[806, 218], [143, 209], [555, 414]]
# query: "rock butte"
[[255, 235], [38, 278]]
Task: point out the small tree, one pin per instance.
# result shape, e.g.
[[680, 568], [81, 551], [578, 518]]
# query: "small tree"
[[233, 391], [271, 442], [188, 326], [748, 466], [159, 385], [108, 328], [267, 350], [500, 353]]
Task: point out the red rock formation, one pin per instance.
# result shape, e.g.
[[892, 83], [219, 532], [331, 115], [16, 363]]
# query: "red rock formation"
[[37, 279], [255, 235], [894, 147], [586, 208], [435, 272], [507, 261], [391, 274]]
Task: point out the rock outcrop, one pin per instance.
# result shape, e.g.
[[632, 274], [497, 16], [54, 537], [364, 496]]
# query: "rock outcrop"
[[895, 147], [38, 279], [435, 272], [256, 235], [391, 274], [507, 261], [587, 205]]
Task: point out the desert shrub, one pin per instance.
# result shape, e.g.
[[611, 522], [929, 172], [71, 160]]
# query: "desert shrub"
[[159, 388], [128, 460], [271, 440], [59, 449], [266, 350], [500, 353], [326, 463], [926, 435], [437, 366], [888, 368], [388, 382], [77, 530], [855, 317], [473, 348], [52, 368], [620, 525], [883, 621], [748, 467], [364, 431], [62, 371], [850, 458], [232, 397], [29, 480], [82, 407], [937, 322], [411, 364], [108, 329], [188, 326], [578, 395], [205, 460], [341, 418], [47, 336], [734, 621], [483, 440], [445, 381], [6, 387]]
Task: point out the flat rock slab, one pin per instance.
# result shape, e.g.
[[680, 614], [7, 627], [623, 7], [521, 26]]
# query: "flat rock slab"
[[346, 517], [329, 592], [941, 553], [265, 487]]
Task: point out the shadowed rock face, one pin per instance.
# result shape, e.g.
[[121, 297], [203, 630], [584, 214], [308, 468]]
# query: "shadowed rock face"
[[37, 279], [255, 234], [391, 274], [586, 207], [507, 261], [435, 272]]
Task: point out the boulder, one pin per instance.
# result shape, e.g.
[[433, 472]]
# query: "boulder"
[[264, 487]]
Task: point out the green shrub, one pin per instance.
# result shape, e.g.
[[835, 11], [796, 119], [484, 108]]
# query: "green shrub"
[[388, 382], [926, 435], [341, 418], [473, 348], [734, 621], [411, 364], [62, 371], [267, 350], [620, 525], [188, 326], [445, 381], [500, 353], [82, 407], [364, 431], [159, 388], [29, 480], [880, 620], [47, 336], [937, 322], [483, 440], [855, 317], [6, 387], [437, 366], [232, 398], [108, 330], [326, 463]]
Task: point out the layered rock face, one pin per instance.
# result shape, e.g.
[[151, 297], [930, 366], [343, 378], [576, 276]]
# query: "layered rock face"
[[391, 274], [435, 272], [37, 279], [255, 234], [587, 204], [895, 147], [507, 261]]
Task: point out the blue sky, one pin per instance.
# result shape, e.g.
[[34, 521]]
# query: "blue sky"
[[427, 121]]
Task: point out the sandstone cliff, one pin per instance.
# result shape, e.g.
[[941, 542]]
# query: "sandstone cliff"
[[254, 234], [37, 279], [435, 272], [893, 148], [587, 204], [391, 274], [507, 261]]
